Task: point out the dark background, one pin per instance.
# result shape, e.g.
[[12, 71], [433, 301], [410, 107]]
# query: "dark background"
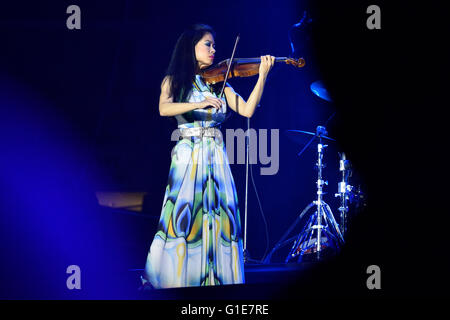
[[80, 115]]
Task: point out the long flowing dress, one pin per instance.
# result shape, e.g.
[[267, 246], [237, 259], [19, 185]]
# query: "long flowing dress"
[[198, 240]]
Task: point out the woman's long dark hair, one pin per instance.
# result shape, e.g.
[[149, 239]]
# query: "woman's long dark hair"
[[183, 64]]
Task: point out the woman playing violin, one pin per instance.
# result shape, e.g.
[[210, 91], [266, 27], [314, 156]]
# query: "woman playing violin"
[[198, 240]]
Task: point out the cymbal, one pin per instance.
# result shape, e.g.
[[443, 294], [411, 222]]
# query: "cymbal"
[[306, 139], [318, 88], [311, 134]]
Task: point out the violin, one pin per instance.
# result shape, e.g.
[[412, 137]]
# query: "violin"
[[241, 67]]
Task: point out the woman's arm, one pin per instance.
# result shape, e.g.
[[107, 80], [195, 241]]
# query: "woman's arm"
[[235, 101], [168, 108]]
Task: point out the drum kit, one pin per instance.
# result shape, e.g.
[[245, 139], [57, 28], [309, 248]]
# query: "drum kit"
[[321, 235]]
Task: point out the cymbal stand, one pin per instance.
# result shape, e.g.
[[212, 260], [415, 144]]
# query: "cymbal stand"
[[322, 220]]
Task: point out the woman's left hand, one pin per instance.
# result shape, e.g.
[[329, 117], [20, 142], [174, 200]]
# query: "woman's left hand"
[[266, 64]]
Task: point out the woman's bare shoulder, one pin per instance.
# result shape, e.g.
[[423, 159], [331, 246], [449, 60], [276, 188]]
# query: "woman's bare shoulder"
[[166, 83], [166, 80]]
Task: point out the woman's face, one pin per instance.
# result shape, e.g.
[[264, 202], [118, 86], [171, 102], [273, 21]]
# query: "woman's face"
[[204, 51]]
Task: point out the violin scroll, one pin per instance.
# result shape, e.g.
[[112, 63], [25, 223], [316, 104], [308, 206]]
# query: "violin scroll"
[[297, 63]]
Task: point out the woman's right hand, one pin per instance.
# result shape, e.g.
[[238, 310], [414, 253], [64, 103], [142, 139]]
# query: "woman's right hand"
[[211, 102]]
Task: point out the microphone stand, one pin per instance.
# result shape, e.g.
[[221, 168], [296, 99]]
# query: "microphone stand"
[[246, 258]]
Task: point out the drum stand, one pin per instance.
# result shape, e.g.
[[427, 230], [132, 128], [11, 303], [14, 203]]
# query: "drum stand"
[[321, 223], [343, 190]]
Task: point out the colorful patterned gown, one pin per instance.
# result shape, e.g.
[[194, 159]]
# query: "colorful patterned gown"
[[198, 241]]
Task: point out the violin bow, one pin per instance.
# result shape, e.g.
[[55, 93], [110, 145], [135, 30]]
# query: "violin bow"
[[229, 67]]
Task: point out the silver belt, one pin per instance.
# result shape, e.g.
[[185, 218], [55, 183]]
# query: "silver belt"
[[199, 132]]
